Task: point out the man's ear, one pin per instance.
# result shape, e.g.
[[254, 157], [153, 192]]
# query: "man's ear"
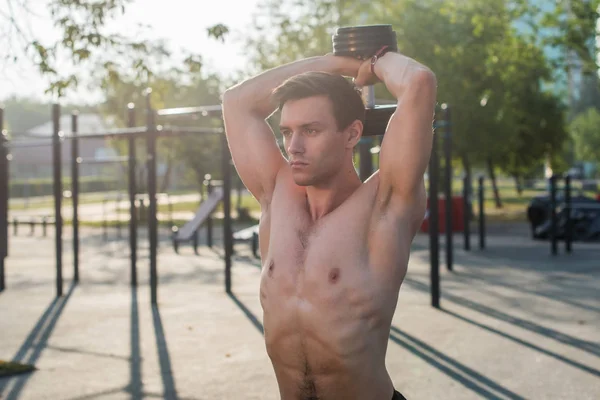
[[353, 134]]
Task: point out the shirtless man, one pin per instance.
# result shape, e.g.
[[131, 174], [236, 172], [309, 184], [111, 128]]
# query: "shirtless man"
[[334, 249]]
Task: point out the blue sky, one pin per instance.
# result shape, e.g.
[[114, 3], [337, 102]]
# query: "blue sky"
[[182, 22]]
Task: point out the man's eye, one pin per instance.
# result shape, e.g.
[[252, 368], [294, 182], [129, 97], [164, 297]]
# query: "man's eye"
[[311, 131]]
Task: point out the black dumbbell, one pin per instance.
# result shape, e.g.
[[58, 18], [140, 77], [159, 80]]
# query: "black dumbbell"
[[362, 42]]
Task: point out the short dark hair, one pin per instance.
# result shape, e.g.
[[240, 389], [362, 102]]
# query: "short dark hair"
[[345, 97]]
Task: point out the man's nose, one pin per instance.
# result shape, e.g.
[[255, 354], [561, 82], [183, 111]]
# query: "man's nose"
[[295, 144]]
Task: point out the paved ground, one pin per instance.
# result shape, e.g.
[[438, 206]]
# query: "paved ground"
[[515, 323]]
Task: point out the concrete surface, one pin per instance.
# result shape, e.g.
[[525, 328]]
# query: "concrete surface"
[[515, 323]]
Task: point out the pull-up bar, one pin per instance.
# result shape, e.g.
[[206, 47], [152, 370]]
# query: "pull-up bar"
[[205, 111]]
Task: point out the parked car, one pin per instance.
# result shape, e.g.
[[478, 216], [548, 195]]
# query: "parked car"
[[585, 217]]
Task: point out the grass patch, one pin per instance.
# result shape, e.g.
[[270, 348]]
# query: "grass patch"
[[20, 204], [9, 368], [247, 201]]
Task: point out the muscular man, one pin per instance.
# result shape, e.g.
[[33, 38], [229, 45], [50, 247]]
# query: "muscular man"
[[334, 249]]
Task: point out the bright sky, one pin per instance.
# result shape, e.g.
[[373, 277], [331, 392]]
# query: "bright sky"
[[182, 23]]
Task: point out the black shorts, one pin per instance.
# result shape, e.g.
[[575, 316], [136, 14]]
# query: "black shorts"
[[398, 396]]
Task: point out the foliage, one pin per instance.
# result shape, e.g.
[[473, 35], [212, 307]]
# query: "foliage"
[[572, 27], [8, 368], [490, 74], [176, 88], [84, 41], [585, 131]]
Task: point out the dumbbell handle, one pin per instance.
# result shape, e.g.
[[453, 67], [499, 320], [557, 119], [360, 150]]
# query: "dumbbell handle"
[[368, 95]]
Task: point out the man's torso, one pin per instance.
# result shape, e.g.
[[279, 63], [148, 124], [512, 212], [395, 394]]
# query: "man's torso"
[[328, 291]]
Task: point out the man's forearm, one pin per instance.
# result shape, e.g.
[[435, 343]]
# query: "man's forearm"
[[398, 73], [254, 94]]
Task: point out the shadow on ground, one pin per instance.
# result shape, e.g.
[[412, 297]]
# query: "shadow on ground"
[[33, 346], [469, 378]]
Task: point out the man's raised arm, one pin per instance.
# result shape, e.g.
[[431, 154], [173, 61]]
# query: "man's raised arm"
[[406, 145], [247, 105]]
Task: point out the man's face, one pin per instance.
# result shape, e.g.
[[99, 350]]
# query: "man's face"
[[315, 147]]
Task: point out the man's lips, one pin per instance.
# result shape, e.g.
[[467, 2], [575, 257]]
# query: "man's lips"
[[298, 163]]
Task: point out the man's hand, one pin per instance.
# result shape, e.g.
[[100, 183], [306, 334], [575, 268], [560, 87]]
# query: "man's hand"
[[364, 76], [345, 66], [247, 105]]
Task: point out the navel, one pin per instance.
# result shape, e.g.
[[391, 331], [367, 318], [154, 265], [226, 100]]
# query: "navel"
[[334, 275]]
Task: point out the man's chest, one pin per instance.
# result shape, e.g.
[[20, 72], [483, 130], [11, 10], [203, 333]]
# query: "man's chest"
[[316, 261]]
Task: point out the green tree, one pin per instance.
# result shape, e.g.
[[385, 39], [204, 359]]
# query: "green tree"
[[199, 154], [585, 131], [83, 42], [489, 73], [571, 28], [530, 121]]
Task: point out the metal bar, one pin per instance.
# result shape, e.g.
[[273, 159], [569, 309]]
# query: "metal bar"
[[75, 194], [159, 131], [205, 111], [118, 216], [377, 119], [227, 230], [209, 224], [132, 190], [107, 160], [554, 219], [176, 130], [152, 229], [368, 95], [57, 161], [20, 144], [22, 134], [366, 158], [481, 214], [569, 221], [4, 196], [255, 244], [132, 130], [195, 241], [434, 247], [104, 220], [467, 212], [170, 205], [448, 186], [2, 279]]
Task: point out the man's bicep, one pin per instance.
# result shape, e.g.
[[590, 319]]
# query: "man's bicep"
[[254, 151], [406, 146]]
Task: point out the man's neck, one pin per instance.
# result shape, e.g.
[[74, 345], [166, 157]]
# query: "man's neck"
[[321, 200]]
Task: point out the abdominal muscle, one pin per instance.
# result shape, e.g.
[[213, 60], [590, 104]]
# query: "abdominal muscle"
[[326, 340]]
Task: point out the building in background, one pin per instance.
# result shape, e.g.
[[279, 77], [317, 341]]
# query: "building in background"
[[36, 162]]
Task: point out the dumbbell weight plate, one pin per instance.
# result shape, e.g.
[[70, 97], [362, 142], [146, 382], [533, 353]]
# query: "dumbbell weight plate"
[[363, 41]]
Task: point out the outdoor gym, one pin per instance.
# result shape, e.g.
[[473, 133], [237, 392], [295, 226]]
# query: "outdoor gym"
[[140, 289]]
